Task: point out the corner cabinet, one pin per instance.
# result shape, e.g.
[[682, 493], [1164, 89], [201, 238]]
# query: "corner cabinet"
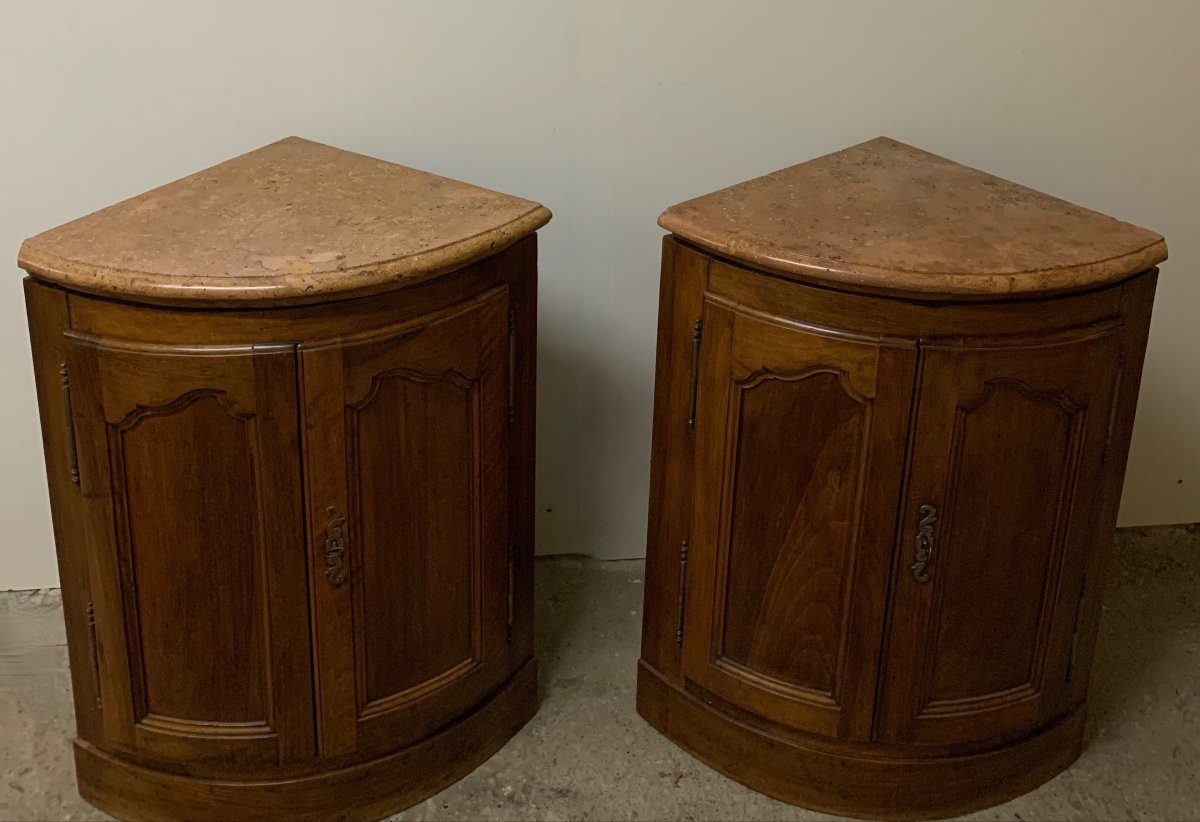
[[295, 538], [879, 511]]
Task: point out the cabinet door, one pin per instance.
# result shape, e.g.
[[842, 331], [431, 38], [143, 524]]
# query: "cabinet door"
[[406, 430], [189, 468], [799, 451], [998, 520]]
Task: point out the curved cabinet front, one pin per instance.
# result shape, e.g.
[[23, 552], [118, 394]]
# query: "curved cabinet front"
[[884, 559], [296, 543]]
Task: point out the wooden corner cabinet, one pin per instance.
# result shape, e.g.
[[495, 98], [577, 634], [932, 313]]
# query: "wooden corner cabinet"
[[288, 407], [893, 404]]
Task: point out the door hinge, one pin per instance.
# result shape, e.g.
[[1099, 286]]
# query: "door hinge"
[[1075, 629], [1112, 410], [511, 579], [94, 652], [512, 364], [697, 332], [69, 423], [683, 561]]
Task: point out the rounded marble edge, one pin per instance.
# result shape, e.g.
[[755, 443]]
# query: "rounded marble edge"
[[278, 289], [927, 284]]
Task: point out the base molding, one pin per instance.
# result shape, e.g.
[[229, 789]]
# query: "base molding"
[[886, 787], [365, 791]]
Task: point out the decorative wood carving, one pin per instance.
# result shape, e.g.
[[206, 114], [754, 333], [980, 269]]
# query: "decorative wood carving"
[[756, 378]]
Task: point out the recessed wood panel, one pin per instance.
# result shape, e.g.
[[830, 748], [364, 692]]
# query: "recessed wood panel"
[[790, 533], [413, 453], [1002, 524], [198, 573]]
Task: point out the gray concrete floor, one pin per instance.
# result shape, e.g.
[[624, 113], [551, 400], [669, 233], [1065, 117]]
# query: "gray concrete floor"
[[587, 755]]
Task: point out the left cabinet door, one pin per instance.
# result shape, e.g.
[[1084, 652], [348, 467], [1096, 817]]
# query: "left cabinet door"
[[406, 430], [189, 469], [799, 455]]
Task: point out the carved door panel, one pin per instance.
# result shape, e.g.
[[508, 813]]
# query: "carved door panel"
[[189, 468], [799, 451], [998, 520], [406, 430]]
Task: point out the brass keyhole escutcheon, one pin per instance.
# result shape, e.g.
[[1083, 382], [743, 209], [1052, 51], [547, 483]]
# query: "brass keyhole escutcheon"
[[924, 552], [335, 547]]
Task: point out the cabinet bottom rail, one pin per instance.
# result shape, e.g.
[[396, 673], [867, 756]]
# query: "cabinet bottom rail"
[[368, 790], [908, 788]]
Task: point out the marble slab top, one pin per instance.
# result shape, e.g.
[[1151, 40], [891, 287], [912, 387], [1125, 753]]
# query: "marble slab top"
[[884, 216], [294, 221]]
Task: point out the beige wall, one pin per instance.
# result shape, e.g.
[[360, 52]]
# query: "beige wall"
[[607, 112]]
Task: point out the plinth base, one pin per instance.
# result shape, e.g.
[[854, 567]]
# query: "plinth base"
[[889, 786], [366, 791]]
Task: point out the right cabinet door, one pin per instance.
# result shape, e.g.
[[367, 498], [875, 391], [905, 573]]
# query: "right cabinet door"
[[406, 437], [997, 522]]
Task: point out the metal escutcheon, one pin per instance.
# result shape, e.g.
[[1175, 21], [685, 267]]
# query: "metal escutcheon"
[[924, 552], [335, 546]]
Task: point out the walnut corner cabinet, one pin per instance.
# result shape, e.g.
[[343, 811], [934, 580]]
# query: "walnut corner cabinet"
[[893, 405], [287, 406]]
